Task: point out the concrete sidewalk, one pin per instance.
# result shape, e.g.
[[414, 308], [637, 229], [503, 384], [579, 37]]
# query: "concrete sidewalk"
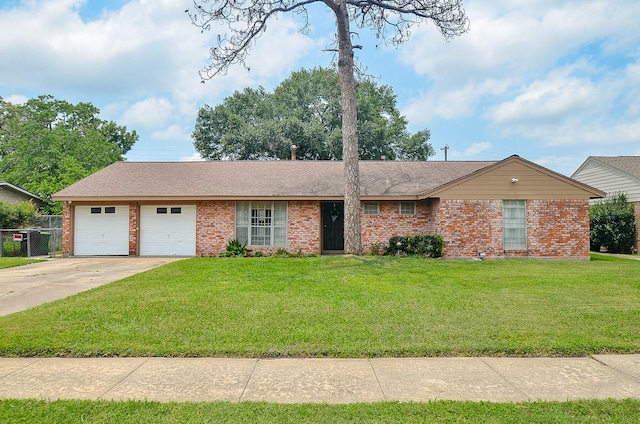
[[322, 380]]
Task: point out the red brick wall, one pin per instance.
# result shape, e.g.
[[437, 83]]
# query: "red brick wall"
[[389, 223], [471, 227], [215, 226], [66, 229], [133, 229], [555, 228], [558, 228], [303, 234]]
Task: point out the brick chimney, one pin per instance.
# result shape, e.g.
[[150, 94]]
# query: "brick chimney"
[[293, 152]]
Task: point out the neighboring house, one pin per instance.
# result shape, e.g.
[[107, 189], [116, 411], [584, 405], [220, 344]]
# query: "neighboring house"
[[614, 174], [510, 208], [14, 194]]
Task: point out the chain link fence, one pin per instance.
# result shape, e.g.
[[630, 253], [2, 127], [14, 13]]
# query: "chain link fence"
[[44, 239]]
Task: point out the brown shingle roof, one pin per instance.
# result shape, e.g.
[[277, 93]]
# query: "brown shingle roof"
[[628, 164], [256, 179]]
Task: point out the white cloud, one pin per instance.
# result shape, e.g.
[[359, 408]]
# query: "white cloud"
[[452, 103], [549, 100], [511, 42], [138, 49], [16, 99], [148, 113], [565, 110], [517, 39]]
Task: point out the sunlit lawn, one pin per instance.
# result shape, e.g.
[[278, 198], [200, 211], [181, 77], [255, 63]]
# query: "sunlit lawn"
[[9, 262], [587, 411], [343, 307]]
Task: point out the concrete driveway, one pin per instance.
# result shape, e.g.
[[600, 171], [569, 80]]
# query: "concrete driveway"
[[26, 286]]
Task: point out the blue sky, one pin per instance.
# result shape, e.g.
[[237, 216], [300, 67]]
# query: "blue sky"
[[553, 81]]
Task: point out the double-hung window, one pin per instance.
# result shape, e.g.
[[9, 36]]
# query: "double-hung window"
[[407, 208], [514, 224], [261, 223], [370, 208]]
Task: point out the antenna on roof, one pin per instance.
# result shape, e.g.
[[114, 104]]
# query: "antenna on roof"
[[445, 148]]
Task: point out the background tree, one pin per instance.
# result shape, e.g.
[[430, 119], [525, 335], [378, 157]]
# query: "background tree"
[[48, 144], [246, 20], [305, 110], [613, 224]]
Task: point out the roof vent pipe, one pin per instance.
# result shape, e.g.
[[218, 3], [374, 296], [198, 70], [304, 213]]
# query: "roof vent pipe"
[[293, 152]]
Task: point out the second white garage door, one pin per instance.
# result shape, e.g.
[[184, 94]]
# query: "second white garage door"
[[167, 230]]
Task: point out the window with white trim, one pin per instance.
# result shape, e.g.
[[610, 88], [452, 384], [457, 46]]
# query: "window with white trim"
[[261, 223], [514, 224], [370, 208], [407, 208]]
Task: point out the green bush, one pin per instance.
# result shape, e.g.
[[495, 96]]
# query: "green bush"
[[10, 248], [235, 249], [612, 224], [376, 249], [16, 215], [429, 245]]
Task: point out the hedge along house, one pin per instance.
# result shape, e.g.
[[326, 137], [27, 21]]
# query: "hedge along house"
[[510, 208]]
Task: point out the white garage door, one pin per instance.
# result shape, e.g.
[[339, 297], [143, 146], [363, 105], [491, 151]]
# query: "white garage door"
[[101, 230], [167, 230]]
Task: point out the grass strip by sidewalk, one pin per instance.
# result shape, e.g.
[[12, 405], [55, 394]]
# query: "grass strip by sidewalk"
[[10, 262], [343, 307], [583, 411]]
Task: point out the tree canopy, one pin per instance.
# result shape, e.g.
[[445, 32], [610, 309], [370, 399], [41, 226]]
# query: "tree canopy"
[[48, 144], [305, 110]]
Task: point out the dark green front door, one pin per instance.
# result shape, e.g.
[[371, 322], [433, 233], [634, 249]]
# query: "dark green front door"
[[332, 226]]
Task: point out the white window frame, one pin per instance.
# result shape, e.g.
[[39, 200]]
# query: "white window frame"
[[407, 208], [261, 223], [370, 208], [514, 224]]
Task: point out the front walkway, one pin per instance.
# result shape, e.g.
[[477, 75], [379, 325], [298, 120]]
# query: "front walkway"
[[322, 380]]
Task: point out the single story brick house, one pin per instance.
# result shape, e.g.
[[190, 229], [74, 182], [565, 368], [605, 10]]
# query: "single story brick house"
[[508, 208]]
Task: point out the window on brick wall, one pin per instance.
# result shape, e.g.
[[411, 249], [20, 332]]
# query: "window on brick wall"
[[514, 224], [261, 223], [370, 208], [407, 208]]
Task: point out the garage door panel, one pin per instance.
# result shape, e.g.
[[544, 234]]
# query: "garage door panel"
[[101, 231], [168, 230]]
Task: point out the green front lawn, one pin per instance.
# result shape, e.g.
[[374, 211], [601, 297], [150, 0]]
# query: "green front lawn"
[[586, 411], [343, 307], [9, 262]]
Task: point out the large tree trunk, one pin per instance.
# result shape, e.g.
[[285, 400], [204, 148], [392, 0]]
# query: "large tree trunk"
[[352, 227]]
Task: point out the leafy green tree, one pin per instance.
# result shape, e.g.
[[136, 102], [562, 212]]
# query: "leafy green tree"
[[305, 110], [48, 144], [613, 224]]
